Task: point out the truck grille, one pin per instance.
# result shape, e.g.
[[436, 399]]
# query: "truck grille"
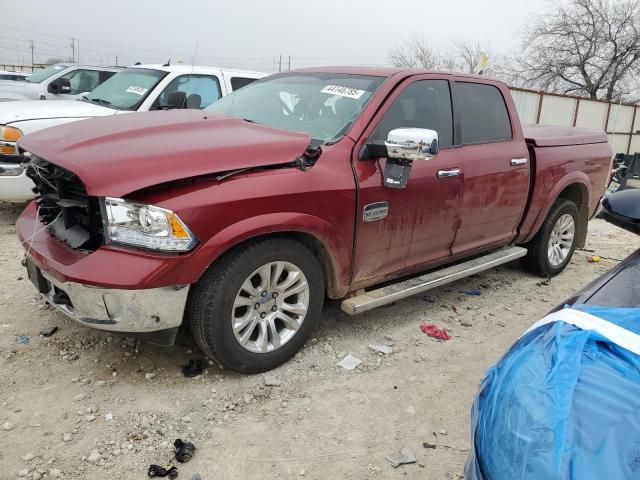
[[64, 205]]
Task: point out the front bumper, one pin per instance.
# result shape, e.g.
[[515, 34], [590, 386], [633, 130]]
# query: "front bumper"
[[15, 188], [117, 310]]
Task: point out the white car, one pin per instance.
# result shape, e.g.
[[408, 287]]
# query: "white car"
[[20, 76], [62, 81], [136, 89]]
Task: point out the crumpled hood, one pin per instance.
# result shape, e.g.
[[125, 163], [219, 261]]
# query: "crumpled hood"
[[117, 155], [38, 109]]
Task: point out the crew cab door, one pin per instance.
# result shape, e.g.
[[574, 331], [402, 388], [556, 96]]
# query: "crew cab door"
[[420, 221], [494, 163]]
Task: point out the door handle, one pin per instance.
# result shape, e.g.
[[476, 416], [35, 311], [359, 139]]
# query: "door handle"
[[449, 172], [519, 161]]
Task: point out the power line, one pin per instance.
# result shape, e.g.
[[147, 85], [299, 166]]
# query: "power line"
[[129, 47]]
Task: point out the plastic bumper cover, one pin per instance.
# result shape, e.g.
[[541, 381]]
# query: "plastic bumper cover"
[[14, 188]]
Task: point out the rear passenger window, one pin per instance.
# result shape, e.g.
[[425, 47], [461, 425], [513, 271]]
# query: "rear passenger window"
[[483, 114], [423, 104], [239, 82]]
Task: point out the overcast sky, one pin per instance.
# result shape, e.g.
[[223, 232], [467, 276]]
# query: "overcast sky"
[[248, 34]]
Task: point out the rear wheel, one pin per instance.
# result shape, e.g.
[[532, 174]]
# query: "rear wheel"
[[255, 308], [552, 248]]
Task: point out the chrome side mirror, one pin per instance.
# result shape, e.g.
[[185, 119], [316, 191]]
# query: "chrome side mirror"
[[412, 144]]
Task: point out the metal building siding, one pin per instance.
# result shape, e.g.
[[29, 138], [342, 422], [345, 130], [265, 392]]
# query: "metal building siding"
[[636, 123], [526, 105], [635, 144], [561, 110], [592, 114], [619, 142], [620, 118], [557, 110]]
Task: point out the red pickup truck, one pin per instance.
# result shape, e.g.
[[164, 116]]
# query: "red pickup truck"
[[240, 220]]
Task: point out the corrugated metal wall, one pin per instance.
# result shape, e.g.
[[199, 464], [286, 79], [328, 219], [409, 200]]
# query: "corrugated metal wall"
[[620, 121], [527, 105], [592, 114], [557, 110]]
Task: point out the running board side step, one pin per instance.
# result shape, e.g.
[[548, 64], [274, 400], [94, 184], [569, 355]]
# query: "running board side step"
[[413, 286]]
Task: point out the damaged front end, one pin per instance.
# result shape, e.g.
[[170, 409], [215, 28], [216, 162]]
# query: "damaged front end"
[[64, 206]]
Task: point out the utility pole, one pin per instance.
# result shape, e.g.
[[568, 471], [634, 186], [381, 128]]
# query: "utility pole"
[[280, 64], [78, 51], [73, 50], [116, 60], [289, 62], [32, 47]]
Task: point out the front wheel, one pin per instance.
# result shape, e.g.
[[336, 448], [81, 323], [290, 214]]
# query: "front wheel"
[[552, 248], [256, 307]]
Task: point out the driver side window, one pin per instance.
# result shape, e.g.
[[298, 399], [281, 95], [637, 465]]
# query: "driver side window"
[[423, 104], [200, 90], [82, 81]]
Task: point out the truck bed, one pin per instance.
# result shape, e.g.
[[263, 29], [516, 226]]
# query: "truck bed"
[[554, 136], [584, 167]]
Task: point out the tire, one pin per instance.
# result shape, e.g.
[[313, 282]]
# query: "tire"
[[538, 258], [213, 306]]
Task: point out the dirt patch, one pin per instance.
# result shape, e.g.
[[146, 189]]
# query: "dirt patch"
[[88, 404]]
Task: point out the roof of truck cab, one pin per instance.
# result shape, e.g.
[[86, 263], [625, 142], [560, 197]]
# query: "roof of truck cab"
[[67, 65], [387, 71], [181, 67]]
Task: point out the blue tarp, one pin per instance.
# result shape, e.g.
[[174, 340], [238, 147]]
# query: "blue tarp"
[[563, 403]]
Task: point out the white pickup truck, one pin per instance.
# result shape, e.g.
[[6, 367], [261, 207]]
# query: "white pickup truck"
[[20, 76], [62, 81], [136, 89]]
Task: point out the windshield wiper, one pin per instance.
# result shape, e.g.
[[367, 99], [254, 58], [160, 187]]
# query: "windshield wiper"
[[103, 102], [100, 101]]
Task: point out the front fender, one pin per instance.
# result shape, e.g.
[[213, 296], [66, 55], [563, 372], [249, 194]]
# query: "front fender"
[[337, 250]]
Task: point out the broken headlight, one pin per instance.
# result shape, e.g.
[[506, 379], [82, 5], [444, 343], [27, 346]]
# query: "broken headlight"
[[145, 226]]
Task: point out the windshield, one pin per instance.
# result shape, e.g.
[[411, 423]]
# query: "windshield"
[[324, 105], [42, 75], [126, 90]]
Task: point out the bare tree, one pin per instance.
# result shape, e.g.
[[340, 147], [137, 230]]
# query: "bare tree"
[[416, 53], [585, 47], [470, 55]]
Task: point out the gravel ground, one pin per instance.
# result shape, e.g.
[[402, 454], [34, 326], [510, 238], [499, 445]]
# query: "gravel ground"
[[87, 404]]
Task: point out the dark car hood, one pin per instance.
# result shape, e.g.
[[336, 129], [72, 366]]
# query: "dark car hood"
[[117, 155]]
